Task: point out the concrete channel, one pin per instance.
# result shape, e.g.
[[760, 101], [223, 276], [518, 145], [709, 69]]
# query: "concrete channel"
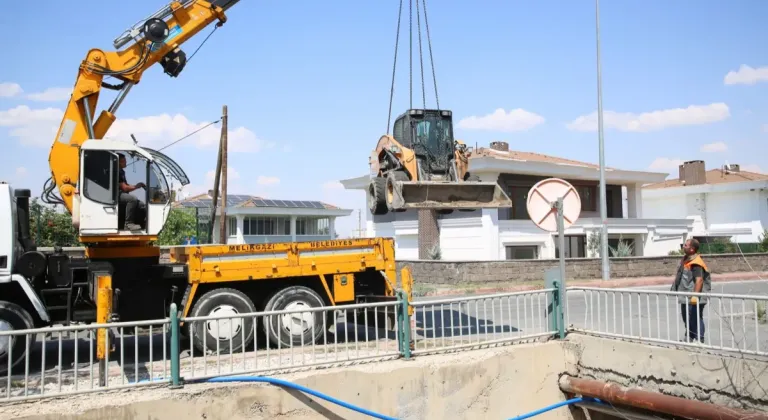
[[485, 383]]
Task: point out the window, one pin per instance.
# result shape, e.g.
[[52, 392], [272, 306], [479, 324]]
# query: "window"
[[159, 193], [267, 225], [313, 226], [100, 173], [527, 252], [588, 196], [232, 226], [575, 246]]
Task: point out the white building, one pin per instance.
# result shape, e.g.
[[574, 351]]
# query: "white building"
[[722, 202], [255, 220], [491, 234]]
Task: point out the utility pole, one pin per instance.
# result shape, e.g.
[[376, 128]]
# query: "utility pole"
[[215, 196], [223, 218], [603, 209]]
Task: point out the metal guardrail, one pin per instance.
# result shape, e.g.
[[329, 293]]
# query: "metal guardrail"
[[299, 338], [460, 323], [727, 322], [62, 360]]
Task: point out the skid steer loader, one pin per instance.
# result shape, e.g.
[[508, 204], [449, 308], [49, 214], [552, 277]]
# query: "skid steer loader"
[[422, 166]]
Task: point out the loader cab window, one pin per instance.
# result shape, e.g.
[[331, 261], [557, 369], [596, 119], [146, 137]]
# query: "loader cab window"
[[435, 135], [100, 174], [401, 134]]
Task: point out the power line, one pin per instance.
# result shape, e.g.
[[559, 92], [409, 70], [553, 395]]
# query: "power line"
[[190, 134]]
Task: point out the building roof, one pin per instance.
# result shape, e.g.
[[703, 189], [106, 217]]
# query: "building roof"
[[714, 177], [529, 156], [250, 201]]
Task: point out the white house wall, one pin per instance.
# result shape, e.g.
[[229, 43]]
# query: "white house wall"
[[741, 215], [733, 211]]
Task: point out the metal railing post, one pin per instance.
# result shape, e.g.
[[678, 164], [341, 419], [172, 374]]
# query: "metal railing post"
[[175, 365], [404, 326]]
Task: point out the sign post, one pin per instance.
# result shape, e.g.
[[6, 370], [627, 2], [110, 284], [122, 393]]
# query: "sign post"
[[551, 204]]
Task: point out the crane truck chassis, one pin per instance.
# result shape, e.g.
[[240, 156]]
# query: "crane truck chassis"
[[39, 289]]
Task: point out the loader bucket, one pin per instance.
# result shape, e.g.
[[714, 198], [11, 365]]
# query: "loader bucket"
[[447, 195]]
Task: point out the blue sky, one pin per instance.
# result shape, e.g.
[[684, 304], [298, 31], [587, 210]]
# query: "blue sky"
[[307, 85]]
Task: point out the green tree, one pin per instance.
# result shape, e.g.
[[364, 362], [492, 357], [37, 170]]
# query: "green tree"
[[50, 227], [763, 244], [180, 224]]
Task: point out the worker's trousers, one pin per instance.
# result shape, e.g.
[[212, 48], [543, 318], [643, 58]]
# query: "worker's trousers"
[[131, 203], [693, 321]]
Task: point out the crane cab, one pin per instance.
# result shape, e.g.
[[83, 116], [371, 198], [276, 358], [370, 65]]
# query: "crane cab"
[[99, 205]]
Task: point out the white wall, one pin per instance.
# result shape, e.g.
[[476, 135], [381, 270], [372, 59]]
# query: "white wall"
[[715, 213], [733, 210]]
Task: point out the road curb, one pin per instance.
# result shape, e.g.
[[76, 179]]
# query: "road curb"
[[611, 284]]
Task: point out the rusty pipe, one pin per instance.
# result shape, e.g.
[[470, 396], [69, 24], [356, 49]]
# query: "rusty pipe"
[[633, 397]]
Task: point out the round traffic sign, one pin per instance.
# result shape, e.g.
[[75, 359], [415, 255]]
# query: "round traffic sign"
[[541, 201]]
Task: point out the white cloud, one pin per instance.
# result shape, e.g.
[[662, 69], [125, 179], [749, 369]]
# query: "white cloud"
[[514, 120], [267, 180], [714, 147], [33, 127], [665, 165], [51, 95], [751, 168], [9, 90], [654, 120], [746, 75], [160, 130]]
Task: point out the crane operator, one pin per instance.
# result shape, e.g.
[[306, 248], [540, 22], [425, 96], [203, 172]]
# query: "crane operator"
[[130, 201]]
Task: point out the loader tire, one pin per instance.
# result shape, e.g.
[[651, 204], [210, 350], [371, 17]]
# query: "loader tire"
[[377, 196], [392, 178], [14, 317]]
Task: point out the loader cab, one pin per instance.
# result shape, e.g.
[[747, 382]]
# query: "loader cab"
[[100, 211], [429, 133]]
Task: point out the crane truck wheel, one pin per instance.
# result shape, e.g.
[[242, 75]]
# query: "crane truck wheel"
[[377, 196], [13, 317], [219, 333], [299, 328]]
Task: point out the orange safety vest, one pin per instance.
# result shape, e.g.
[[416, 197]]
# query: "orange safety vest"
[[685, 282]]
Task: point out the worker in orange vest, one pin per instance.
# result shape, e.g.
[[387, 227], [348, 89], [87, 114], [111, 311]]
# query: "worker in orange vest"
[[692, 277]]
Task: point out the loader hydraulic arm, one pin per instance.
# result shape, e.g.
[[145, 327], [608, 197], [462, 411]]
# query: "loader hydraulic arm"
[[156, 39]]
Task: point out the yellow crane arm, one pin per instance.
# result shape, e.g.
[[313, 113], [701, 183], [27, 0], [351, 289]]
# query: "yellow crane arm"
[[157, 39]]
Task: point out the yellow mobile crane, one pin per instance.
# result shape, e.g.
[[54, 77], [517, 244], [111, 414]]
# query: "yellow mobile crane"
[[121, 276]]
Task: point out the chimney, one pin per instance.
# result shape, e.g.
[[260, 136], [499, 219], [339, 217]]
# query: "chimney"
[[693, 172], [500, 146]]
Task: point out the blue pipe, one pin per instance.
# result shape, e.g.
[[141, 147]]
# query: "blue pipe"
[[280, 382], [556, 405]]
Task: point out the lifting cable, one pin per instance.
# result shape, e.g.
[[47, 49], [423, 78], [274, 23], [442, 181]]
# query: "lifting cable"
[[410, 57]]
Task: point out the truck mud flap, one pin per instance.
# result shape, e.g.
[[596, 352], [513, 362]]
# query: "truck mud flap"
[[446, 195]]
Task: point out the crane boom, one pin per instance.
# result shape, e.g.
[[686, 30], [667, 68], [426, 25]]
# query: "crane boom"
[[156, 40]]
